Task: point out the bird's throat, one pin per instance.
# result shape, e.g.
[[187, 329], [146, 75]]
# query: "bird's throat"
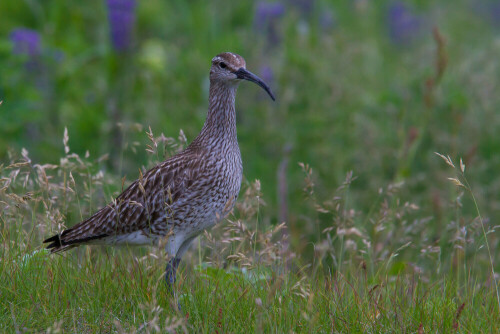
[[221, 117]]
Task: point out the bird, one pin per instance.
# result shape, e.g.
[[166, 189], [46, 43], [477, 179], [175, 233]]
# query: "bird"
[[184, 195]]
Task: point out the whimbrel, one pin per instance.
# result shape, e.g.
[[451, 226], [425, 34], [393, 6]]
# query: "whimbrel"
[[185, 194]]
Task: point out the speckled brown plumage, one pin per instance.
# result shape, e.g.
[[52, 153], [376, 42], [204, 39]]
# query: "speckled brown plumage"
[[185, 194]]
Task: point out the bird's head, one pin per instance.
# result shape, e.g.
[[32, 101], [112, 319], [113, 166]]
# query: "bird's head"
[[230, 68]]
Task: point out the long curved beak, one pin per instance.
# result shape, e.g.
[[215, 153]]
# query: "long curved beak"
[[247, 75]]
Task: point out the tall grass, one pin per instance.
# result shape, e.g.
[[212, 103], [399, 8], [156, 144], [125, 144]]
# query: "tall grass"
[[242, 277]]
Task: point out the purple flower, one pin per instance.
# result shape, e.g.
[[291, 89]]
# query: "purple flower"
[[267, 12], [305, 7], [403, 24], [327, 20], [495, 13], [121, 15], [26, 42], [266, 19], [488, 9]]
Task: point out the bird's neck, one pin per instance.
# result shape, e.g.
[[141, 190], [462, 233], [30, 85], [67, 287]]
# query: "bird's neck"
[[220, 125]]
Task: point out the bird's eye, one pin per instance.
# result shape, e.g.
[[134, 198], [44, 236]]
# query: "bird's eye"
[[222, 65]]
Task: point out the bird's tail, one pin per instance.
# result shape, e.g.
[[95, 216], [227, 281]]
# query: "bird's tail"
[[58, 244], [83, 232]]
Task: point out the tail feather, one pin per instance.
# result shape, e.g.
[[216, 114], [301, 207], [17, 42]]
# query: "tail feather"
[[58, 244], [55, 242], [90, 229]]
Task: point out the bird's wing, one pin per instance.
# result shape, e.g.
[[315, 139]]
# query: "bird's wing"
[[139, 206]]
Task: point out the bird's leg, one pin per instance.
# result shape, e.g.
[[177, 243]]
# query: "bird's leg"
[[170, 275], [170, 272], [174, 262]]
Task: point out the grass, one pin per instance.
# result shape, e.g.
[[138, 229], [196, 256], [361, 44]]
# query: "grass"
[[243, 277], [110, 292]]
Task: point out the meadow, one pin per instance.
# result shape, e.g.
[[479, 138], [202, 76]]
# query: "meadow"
[[370, 201]]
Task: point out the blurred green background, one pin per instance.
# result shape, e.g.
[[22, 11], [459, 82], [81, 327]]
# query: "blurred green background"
[[370, 87]]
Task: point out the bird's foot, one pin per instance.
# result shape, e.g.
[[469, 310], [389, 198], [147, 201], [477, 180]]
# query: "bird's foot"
[[170, 272]]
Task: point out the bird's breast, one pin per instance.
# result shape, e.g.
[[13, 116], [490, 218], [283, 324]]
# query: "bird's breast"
[[212, 196]]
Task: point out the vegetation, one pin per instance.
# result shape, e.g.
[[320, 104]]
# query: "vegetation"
[[348, 221]]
